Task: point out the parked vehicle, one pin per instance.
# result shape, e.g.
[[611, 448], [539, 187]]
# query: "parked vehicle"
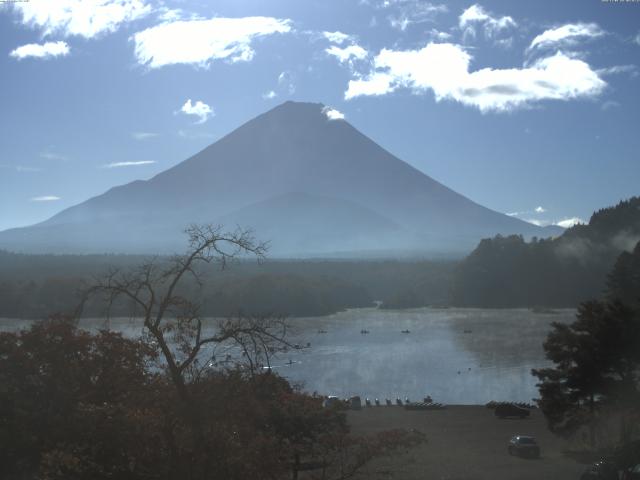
[[505, 410], [355, 403], [601, 470], [523, 446], [331, 401]]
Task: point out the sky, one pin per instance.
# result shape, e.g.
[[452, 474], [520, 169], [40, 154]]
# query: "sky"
[[528, 108]]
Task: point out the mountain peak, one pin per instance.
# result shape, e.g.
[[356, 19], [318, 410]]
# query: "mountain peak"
[[246, 178], [291, 110], [306, 106]]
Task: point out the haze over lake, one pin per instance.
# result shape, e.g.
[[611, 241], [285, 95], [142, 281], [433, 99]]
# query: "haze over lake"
[[458, 356]]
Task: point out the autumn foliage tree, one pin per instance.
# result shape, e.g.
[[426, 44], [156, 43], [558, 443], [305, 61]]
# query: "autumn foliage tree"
[[75, 405], [66, 395]]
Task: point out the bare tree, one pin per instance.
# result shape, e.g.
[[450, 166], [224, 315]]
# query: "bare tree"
[[172, 319], [158, 291]]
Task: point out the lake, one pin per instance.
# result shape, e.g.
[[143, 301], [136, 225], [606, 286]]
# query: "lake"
[[457, 356]]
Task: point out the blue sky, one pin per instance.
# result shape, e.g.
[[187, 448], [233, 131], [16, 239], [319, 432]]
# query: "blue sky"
[[529, 108]]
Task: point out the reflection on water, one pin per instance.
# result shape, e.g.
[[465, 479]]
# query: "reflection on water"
[[458, 356]]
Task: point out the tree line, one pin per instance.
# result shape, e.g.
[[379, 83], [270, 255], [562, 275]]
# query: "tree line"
[[33, 286]]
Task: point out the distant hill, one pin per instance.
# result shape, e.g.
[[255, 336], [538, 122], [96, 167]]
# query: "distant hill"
[[311, 185], [561, 272]]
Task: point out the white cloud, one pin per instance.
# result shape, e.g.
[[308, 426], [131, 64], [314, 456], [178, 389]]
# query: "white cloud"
[[337, 37], [566, 35], [504, 42], [333, 114], [200, 41], [46, 198], [537, 210], [287, 82], [443, 68], [537, 222], [80, 17], [476, 15], [609, 104], [569, 222], [194, 135], [619, 69], [128, 164], [25, 169], [636, 39], [144, 135], [19, 168], [438, 35], [411, 12], [53, 156], [166, 14], [199, 109], [45, 50], [270, 95], [345, 54], [378, 83], [400, 22]]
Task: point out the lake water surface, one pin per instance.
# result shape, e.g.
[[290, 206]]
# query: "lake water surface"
[[458, 356]]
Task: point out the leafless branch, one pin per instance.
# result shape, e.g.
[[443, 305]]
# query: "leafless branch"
[[174, 321]]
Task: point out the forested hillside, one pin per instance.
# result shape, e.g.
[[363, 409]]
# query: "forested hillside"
[[33, 286], [623, 283], [555, 272]]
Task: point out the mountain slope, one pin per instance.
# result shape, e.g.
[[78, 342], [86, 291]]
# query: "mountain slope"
[[302, 224], [292, 148]]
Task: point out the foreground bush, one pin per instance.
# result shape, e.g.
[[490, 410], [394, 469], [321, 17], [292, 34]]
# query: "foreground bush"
[[79, 406]]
